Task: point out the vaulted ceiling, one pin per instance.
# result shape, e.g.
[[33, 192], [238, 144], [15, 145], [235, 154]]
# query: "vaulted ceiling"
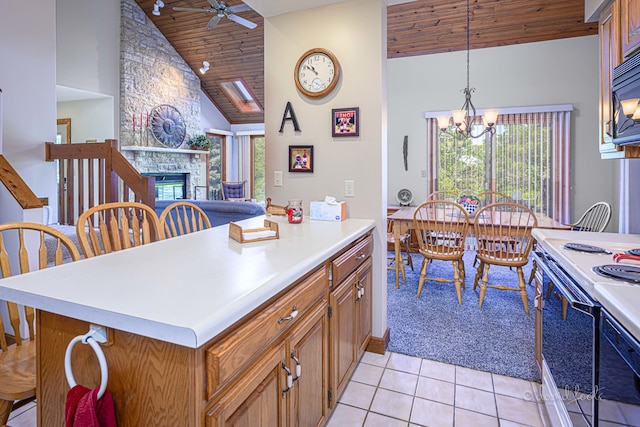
[[414, 28]]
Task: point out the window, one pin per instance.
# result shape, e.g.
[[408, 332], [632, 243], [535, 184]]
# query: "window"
[[527, 159], [258, 190], [216, 165]]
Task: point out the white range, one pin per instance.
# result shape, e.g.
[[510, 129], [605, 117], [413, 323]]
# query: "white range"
[[621, 299]]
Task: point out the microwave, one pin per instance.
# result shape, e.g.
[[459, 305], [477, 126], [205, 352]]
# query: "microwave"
[[626, 102]]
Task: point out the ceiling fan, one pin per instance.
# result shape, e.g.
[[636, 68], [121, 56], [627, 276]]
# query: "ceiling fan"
[[220, 9]]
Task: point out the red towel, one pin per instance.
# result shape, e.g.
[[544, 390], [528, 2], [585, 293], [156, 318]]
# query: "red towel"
[[83, 409]]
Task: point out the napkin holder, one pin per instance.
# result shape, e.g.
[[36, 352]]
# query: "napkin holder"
[[241, 235]]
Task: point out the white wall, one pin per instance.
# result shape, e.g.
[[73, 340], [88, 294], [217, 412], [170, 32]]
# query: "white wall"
[[90, 119], [355, 31], [27, 79], [88, 50], [562, 71], [210, 116]]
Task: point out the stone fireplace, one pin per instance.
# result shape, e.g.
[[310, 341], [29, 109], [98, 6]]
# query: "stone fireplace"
[[189, 165]]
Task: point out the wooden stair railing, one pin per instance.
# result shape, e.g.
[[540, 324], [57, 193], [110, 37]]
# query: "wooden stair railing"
[[17, 187], [96, 173]]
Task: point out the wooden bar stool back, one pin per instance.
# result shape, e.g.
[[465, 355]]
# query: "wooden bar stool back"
[[18, 355], [183, 218], [115, 226]]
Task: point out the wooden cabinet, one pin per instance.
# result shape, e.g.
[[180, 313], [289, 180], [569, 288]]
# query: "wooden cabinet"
[[630, 26], [257, 400], [621, 16], [539, 306], [308, 356], [274, 367], [350, 314]]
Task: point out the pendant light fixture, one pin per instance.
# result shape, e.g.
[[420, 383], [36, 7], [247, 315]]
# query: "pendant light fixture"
[[465, 119]]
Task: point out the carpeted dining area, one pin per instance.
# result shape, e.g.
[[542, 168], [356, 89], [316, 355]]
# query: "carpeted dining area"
[[498, 338]]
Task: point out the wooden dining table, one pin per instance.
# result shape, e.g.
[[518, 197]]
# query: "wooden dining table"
[[403, 223]]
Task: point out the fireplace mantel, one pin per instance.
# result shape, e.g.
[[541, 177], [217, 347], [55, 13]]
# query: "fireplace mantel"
[[161, 149]]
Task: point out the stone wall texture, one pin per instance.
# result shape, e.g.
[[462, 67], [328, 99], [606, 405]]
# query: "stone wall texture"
[[152, 73]]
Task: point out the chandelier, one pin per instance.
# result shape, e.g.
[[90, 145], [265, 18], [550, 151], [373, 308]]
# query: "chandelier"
[[465, 118]]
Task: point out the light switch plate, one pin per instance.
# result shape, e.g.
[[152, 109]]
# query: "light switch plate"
[[349, 188], [277, 178]]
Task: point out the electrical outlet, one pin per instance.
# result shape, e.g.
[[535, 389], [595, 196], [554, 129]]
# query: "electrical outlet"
[[277, 178], [349, 188], [423, 173]]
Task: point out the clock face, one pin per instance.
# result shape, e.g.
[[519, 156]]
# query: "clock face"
[[317, 72], [404, 196]]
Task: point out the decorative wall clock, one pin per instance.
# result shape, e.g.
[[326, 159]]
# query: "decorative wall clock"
[[317, 72], [167, 125]]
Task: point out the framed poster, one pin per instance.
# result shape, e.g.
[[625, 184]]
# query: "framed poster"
[[345, 122], [301, 158]]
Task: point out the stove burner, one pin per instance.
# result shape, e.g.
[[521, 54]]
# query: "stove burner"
[[627, 273], [635, 252], [579, 247]]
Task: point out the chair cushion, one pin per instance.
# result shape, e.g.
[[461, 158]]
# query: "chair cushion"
[[233, 190]]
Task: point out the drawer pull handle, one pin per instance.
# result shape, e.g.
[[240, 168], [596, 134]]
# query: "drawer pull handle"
[[289, 379], [294, 313], [298, 366], [360, 256]]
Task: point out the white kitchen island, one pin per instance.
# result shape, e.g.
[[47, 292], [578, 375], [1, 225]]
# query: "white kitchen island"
[[176, 310]]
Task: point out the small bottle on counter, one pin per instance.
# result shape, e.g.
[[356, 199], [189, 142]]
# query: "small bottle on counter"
[[294, 211]]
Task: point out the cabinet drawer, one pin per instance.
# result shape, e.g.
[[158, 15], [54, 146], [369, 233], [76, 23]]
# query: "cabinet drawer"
[[351, 259], [226, 358]]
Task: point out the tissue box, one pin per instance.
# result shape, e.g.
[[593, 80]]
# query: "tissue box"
[[322, 210]]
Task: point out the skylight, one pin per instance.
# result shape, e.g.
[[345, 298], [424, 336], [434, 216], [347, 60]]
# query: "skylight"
[[241, 96]]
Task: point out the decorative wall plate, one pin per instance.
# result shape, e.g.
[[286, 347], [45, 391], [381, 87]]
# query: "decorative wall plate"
[[404, 197], [167, 125]]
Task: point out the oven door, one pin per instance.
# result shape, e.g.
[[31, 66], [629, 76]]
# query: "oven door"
[[618, 381], [569, 346]]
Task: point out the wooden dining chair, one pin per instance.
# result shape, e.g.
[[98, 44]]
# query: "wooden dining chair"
[[115, 226], [449, 195], [441, 227], [183, 218], [488, 197], [18, 354], [405, 243], [503, 233]]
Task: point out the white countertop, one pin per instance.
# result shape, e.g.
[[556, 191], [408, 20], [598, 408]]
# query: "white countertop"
[[187, 289], [621, 299]]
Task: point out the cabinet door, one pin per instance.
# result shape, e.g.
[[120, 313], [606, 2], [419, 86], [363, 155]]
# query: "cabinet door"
[[630, 26], [539, 306], [258, 399], [610, 56], [363, 307], [309, 363], [342, 335]]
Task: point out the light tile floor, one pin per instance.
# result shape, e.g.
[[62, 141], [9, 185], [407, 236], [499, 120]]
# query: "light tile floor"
[[396, 390]]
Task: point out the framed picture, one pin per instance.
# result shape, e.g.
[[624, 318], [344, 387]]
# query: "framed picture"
[[301, 158], [345, 122]]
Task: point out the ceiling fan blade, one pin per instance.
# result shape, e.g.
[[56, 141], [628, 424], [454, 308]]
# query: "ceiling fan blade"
[[242, 21], [190, 9], [239, 8], [213, 22], [214, 4]]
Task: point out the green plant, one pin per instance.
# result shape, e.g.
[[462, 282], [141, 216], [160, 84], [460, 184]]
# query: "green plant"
[[199, 142]]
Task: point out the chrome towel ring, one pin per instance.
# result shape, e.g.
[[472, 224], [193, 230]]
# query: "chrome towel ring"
[[93, 337]]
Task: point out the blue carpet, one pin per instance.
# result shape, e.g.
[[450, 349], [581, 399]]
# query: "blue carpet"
[[498, 338]]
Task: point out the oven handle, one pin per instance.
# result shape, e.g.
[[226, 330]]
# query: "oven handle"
[[564, 284]]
